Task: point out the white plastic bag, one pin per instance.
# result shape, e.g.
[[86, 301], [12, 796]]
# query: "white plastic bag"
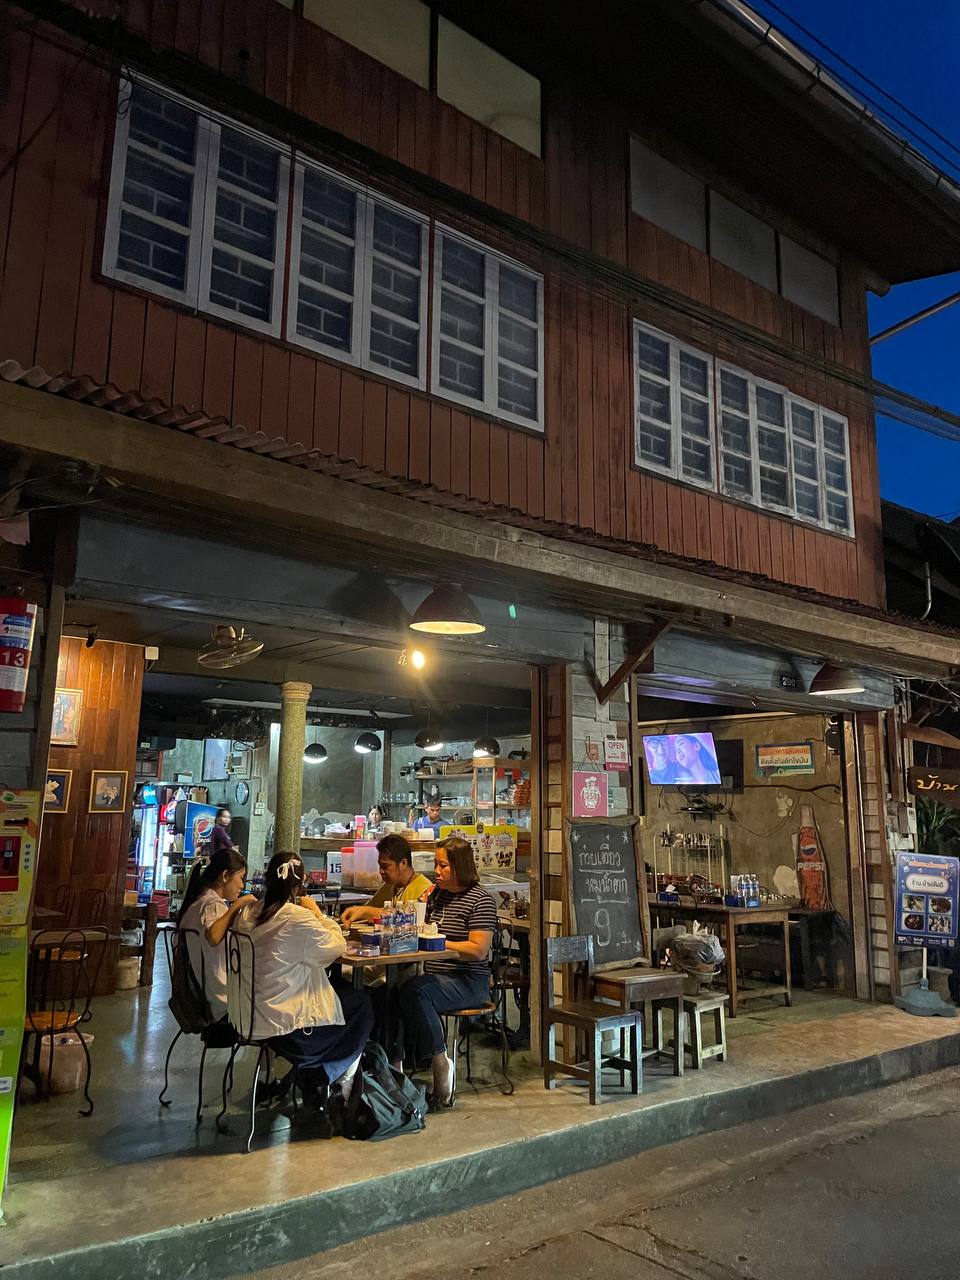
[[69, 1061]]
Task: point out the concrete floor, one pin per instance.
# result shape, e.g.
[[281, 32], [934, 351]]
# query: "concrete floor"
[[863, 1188], [151, 1170]]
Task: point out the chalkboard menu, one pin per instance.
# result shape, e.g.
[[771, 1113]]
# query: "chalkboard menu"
[[608, 894]]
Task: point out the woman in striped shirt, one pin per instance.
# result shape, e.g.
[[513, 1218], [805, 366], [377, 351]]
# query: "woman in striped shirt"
[[466, 915]]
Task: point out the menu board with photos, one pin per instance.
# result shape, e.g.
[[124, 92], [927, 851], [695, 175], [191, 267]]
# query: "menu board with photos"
[[927, 894], [608, 889]]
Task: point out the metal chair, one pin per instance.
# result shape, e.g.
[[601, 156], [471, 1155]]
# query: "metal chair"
[[172, 939], [507, 973], [60, 994], [65, 901], [591, 1017], [241, 998], [93, 907]]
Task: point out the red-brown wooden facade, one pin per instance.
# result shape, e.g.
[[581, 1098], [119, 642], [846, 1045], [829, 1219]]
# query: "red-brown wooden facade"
[[56, 311]]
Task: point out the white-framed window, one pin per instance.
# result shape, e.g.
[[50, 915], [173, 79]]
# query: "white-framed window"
[[487, 331], [358, 279], [198, 208], [707, 423], [673, 385]]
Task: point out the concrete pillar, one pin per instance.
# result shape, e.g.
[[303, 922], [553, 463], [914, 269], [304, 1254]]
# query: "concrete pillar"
[[293, 724]]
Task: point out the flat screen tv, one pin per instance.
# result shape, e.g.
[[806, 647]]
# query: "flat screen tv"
[[682, 760]]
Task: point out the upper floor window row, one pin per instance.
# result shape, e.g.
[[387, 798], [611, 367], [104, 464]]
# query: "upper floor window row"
[[709, 424], [465, 72], [684, 205], [199, 214]]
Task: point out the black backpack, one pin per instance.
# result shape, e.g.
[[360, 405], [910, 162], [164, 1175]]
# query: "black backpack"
[[383, 1102], [187, 1002]]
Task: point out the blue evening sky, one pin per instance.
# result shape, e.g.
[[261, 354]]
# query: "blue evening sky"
[[909, 47]]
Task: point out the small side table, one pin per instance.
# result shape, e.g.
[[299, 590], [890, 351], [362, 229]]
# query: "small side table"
[[632, 988]]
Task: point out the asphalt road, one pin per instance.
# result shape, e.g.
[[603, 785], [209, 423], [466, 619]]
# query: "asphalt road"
[[867, 1188]]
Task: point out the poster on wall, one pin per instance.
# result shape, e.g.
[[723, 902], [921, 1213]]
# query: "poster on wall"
[[777, 758], [590, 794], [494, 848], [927, 894], [616, 754], [216, 753]]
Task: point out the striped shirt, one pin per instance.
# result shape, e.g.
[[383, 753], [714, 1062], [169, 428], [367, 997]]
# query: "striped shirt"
[[455, 914]]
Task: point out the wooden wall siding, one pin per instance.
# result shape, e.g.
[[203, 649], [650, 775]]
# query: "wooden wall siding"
[[56, 312], [89, 850]]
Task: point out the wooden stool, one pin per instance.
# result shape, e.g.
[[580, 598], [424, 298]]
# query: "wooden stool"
[[694, 1007]]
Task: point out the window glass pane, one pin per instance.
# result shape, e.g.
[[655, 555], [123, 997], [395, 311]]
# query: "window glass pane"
[[742, 241], [804, 422], [464, 267], [396, 291], [397, 237], [737, 476], [734, 392], [654, 444], [248, 164], [327, 262], [246, 220], [518, 342], [518, 293], [486, 86], [462, 319], [240, 285], [695, 459], [834, 434], [809, 280], [735, 433], [838, 511], [152, 251], [158, 189], [667, 196], [808, 500], [324, 317], [394, 345], [695, 417], [773, 487], [517, 392], [772, 446], [770, 406], [805, 460], [166, 127], [328, 204], [694, 374], [653, 400], [394, 32], [461, 371], [835, 472], [653, 354], [327, 266]]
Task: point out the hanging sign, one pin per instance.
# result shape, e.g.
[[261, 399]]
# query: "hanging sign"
[[590, 794], [17, 619], [776, 758], [616, 754], [942, 785], [927, 893]]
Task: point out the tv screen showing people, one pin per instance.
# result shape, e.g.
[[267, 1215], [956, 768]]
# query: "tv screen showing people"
[[682, 760]]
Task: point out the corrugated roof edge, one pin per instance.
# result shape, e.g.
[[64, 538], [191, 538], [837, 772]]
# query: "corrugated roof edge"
[[132, 404]]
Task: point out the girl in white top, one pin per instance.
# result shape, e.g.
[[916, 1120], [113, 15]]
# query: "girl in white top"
[[295, 1007], [210, 904]]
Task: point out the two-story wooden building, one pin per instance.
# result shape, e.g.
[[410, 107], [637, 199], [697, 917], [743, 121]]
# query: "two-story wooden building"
[[567, 307]]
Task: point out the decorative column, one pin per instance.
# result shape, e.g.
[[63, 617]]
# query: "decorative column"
[[293, 725]]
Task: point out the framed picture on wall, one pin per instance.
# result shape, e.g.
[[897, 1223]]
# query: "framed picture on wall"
[[216, 752], [65, 730], [56, 796], [108, 791]]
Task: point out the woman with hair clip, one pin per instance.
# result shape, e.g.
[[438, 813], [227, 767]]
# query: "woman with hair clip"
[[295, 1008], [210, 905]]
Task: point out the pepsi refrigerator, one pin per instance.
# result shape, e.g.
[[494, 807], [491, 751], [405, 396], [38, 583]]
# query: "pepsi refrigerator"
[[196, 822]]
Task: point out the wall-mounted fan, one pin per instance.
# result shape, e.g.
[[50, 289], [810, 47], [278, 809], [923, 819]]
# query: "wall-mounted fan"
[[229, 647]]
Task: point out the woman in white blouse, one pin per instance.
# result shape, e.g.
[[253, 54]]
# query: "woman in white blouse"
[[212, 900], [295, 1008]]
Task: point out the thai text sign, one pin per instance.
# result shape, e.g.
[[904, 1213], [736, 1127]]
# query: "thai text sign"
[[777, 757], [927, 892], [939, 784]]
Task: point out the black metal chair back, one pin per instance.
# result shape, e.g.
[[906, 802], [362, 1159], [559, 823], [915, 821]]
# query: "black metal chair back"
[[172, 939], [93, 907], [561, 952], [65, 966], [241, 960], [65, 902]]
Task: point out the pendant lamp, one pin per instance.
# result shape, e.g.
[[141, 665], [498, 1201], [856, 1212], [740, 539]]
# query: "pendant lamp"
[[367, 742], [315, 753], [486, 746], [832, 680], [427, 740], [448, 611]]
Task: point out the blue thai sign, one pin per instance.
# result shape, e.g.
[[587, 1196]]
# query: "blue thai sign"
[[927, 893]]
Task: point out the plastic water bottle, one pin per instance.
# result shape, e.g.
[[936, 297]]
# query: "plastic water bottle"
[[386, 930]]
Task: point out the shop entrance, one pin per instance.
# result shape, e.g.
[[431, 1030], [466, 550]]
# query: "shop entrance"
[[746, 834]]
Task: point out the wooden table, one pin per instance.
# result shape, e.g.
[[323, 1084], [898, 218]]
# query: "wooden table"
[[44, 914], [630, 988], [390, 963], [730, 919]]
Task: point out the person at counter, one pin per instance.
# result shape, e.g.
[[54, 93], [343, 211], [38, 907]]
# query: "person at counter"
[[220, 837], [430, 819], [400, 882], [467, 916]]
